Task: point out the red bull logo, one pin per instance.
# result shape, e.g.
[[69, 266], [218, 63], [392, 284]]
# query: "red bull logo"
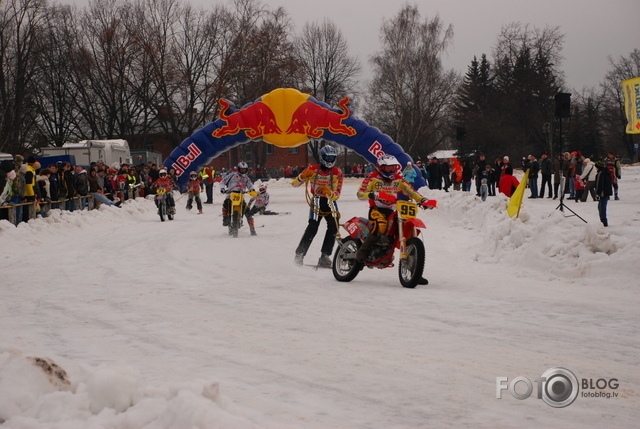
[[376, 149], [312, 120], [184, 161], [257, 119], [284, 109]]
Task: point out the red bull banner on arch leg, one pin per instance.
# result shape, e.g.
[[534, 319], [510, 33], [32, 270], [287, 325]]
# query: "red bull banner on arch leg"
[[285, 117]]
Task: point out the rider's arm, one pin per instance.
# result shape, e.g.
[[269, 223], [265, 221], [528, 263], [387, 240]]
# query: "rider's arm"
[[407, 189], [337, 184], [366, 187], [303, 177]]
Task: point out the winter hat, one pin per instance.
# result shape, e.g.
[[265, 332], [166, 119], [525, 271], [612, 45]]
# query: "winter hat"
[[600, 165], [18, 158], [31, 160], [586, 160], [506, 158]]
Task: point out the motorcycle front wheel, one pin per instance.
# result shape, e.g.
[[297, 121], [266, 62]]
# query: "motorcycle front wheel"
[[411, 268], [234, 226], [345, 267], [162, 210]]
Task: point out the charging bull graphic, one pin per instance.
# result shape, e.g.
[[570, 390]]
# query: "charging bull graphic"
[[256, 119], [312, 119], [302, 118]]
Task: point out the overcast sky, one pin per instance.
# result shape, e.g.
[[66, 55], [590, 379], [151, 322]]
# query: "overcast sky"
[[594, 29]]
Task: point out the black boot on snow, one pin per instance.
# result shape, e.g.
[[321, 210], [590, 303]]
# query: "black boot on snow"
[[324, 261]]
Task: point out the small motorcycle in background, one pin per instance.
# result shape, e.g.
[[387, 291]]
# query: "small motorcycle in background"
[[402, 233], [161, 201]]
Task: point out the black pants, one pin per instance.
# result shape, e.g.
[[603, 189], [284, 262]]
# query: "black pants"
[[190, 201], [546, 180], [325, 212]]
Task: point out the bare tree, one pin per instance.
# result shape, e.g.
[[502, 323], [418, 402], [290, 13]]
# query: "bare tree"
[[328, 71], [103, 65], [411, 93], [55, 93], [21, 36]]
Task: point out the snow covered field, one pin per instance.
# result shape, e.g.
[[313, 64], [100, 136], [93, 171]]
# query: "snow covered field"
[[178, 325]]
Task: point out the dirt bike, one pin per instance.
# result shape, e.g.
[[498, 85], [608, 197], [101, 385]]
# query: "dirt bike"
[[163, 208], [402, 233], [238, 210]]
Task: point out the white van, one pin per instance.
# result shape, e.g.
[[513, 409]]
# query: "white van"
[[112, 152]]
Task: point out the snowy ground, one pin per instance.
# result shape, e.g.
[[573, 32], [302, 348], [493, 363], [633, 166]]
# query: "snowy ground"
[[178, 325]]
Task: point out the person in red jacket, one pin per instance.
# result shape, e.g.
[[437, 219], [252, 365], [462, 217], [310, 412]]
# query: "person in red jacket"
[[194, 187], [165, 182], [508, 183]]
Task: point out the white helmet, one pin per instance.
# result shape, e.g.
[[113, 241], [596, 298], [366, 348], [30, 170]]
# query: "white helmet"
[[243, 166], [263, 188], [162, 172], [386, 161]]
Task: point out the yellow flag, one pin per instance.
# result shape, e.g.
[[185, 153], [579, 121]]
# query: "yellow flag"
[[513, 208], [631, 91]]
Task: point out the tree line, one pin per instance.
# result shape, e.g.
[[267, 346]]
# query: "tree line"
[[137, 69]]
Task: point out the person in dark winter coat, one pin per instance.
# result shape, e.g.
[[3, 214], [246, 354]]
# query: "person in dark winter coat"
[[534, 169], [546, 169], [604, 190]]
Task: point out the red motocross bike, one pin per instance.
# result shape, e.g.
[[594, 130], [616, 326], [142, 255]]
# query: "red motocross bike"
[[402, 233]]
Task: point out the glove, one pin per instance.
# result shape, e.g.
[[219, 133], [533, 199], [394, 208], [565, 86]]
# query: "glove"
[[619, 177], [428, 204], [222, 190], [324, 191], [306, 174], [383, 197]]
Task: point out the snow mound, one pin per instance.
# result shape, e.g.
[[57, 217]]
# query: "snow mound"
[[544, 245], [36, 391]]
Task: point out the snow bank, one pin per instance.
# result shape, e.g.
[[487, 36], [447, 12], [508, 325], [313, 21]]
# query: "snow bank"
[[35, 391]]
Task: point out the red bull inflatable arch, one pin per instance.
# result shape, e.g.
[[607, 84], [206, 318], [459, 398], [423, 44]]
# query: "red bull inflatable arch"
[[285, 117]]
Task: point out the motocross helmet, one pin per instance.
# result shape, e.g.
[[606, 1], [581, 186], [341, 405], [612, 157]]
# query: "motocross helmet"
[[162, 173], [193, 175], [242, 168], [328, 156], [388, 166], [263, 188]]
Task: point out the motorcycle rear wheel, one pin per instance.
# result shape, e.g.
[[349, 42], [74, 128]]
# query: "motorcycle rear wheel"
[[411, 268], [345, 266]]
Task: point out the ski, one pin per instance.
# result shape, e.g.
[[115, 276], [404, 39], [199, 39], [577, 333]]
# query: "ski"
[[270, 213]]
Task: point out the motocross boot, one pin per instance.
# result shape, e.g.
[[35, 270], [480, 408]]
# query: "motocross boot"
[[324, 261], [363, 251], [252, 227]]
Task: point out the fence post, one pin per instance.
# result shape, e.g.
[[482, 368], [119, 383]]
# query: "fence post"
[[32, 210]]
